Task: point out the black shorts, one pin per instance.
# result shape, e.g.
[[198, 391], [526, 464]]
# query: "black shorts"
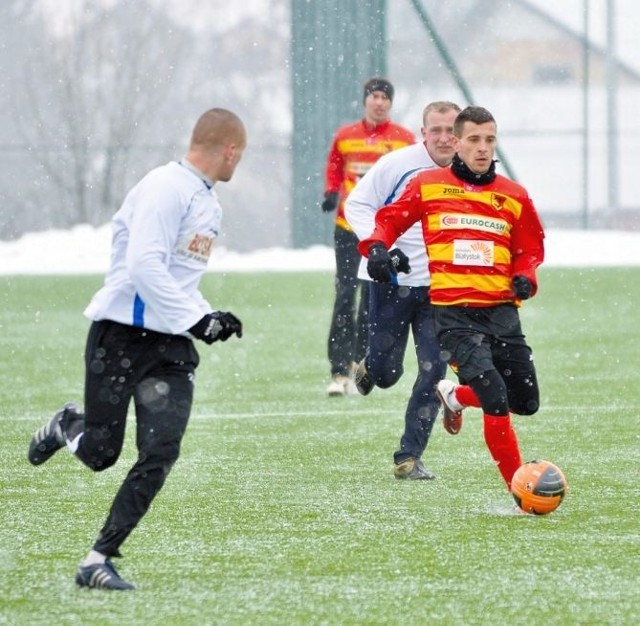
[[478, 339], [154, 369]]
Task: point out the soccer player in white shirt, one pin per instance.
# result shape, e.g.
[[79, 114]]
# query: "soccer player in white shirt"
[[403, 305], [140, 343]]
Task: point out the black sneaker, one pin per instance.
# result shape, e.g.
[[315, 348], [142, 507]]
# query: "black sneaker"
[[412, 469], [364, 383], [48, 439], [101, 576]]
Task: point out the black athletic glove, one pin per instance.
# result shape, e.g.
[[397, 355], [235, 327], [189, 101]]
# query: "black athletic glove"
[[400, 261], [522, 287], [217, 326], [330, 201], [380, 266]]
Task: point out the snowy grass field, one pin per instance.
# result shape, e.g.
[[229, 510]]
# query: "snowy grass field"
[[283, 509]]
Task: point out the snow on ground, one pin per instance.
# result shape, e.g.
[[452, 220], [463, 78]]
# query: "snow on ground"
[[85, 250]]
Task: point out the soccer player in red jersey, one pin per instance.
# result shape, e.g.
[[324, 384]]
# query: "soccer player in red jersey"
[[355, 148], [484, 241]]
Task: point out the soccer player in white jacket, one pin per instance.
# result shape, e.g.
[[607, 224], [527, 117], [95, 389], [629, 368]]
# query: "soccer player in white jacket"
[[397, 307], [143, 322]]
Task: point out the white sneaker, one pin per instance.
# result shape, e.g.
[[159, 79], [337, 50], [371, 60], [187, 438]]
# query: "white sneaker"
[[339, 385], [351, 389], [451, 408]]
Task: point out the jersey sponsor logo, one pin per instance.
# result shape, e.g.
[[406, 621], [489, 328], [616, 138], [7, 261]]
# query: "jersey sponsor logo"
[[200, 245], [498, 201], [437, 191], [381, 146], [473, 222], [197, 247], [358, 169], [452, 221], [472, 252]]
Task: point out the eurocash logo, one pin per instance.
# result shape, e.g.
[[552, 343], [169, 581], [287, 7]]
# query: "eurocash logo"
[[472, 222]]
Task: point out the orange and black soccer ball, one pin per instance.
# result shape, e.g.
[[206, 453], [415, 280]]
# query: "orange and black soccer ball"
[[538, 487]]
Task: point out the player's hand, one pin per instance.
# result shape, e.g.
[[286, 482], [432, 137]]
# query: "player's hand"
[[330, 201], [217, 326], [380, 266], [400, 261], [522, 287]]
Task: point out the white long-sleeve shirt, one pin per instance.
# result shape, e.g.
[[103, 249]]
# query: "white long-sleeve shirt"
[[381, 185], [162, 238]]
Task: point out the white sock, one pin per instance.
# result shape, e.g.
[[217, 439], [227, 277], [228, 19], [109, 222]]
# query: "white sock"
[[73, 445], [94, 558]]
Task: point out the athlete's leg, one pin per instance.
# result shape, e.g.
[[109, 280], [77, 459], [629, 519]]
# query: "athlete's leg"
[[391, 311], [423, 405], [163, 405], [113, 362], [342, 333]]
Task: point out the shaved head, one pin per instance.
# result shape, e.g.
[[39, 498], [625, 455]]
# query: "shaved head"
[[217, 127], [217, 143]]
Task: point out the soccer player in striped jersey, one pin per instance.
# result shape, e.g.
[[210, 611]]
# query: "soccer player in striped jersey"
[[354, 149], [484, 241]]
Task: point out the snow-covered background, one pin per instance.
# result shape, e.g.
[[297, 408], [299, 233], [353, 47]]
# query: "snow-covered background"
[[85, 250], [69, 149]]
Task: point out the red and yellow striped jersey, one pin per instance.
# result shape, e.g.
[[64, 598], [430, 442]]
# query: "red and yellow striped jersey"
[[477, 237], [355, 148]]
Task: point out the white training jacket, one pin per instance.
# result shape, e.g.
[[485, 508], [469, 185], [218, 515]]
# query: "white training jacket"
[[162, 238], [381, 185]]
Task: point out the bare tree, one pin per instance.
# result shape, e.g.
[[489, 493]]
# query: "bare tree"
[[90, 96], [249, 72], [111, 89]]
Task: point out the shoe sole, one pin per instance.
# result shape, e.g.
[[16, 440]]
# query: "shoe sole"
[[102, 579], [451, 420], [364, 385], [43, 445], [80, 582], [421, 477], [364, 391], [413, 474]]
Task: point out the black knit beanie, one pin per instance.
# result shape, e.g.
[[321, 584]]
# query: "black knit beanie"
[[378, 84]]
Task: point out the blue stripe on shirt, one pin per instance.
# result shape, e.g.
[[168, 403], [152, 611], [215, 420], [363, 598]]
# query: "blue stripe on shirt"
[[390, 198], [138, 312], [401, 182]]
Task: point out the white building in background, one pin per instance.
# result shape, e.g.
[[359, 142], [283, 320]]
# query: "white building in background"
[[525, 61]]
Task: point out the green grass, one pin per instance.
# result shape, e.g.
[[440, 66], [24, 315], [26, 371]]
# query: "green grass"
[[283, 509]]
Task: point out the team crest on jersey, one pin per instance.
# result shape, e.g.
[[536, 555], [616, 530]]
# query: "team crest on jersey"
[[498, 201]]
